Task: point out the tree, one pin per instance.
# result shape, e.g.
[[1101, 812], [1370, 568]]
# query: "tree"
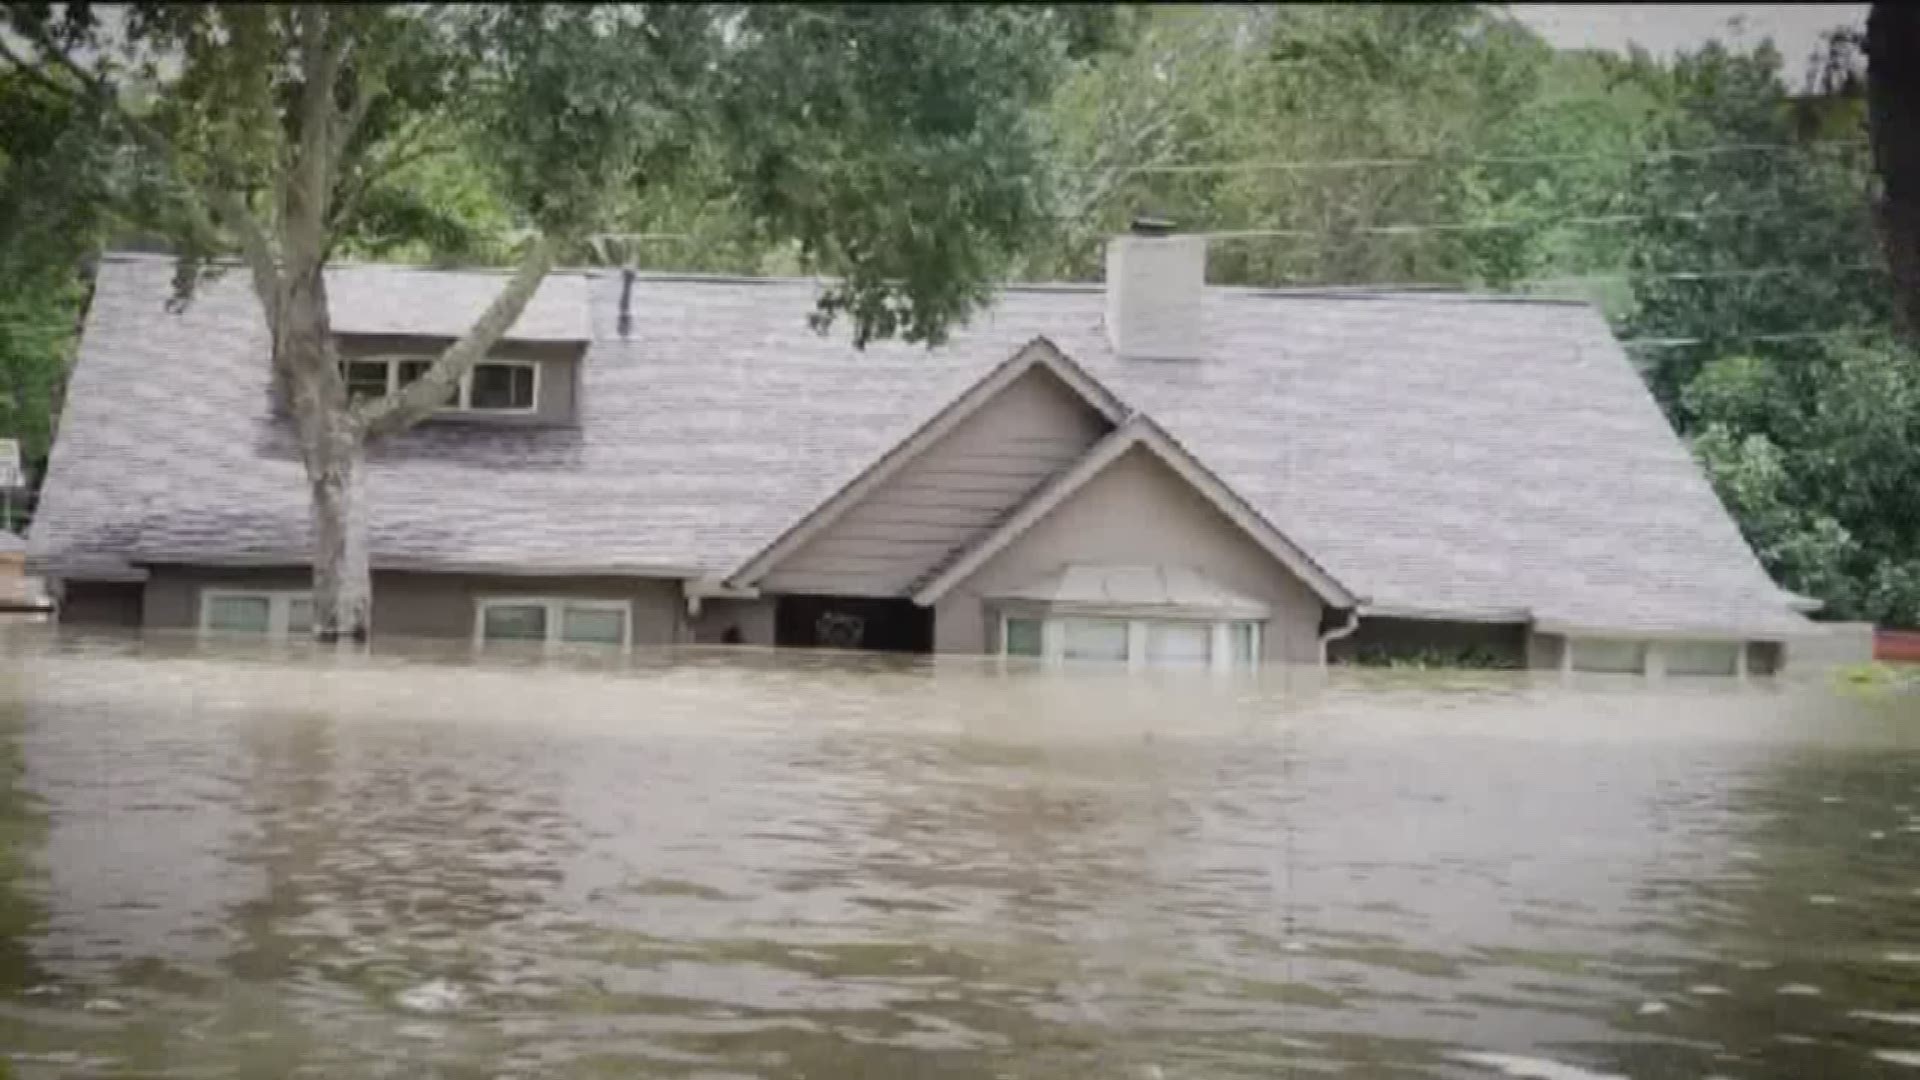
[[889, 145], [1893, 94]]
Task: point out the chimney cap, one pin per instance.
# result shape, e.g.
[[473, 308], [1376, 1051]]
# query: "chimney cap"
[[1151, 225]]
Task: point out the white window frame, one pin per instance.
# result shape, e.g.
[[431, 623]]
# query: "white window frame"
[[279, 605], [463, 394], [1053, 638], [556, 606]]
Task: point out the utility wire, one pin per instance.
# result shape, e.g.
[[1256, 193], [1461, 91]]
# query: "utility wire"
[[1483, 226], [1489, 159], [1797, 335]]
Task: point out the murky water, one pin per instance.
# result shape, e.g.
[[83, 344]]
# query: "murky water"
[[270, 864]]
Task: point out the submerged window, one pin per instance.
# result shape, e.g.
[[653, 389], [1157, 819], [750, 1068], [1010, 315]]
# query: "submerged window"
[[554, 622], [1157, 643], [1021, 637], [1094, 639], [272, 612]]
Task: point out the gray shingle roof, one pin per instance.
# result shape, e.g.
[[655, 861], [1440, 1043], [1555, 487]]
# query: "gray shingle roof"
[[1435, 453]]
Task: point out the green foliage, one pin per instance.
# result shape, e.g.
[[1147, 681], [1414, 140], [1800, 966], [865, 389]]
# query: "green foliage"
[[1468, 657]]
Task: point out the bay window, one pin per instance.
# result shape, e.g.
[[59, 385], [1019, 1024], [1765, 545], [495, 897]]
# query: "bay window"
[[1137, 641]]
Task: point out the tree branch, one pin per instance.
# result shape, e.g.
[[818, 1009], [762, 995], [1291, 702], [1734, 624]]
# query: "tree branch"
[[397, 411], [204, 203]]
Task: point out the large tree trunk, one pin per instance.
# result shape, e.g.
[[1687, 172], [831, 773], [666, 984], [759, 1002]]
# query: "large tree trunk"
[[342, 584], [1893, 109], [332, 447]]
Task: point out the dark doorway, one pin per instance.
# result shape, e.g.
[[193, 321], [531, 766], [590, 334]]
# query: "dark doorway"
[[852, 622]]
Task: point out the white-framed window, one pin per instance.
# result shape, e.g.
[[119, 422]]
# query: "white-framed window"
[[552, 621], [275, 613], [1219, 644], [490, 386]]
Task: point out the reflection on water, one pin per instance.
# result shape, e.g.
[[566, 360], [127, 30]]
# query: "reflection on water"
[[701, 865]]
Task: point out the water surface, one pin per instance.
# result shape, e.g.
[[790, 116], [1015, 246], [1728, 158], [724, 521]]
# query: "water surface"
[[239, 863]]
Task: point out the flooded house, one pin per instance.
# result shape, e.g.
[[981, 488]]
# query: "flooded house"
[[1151, 471]]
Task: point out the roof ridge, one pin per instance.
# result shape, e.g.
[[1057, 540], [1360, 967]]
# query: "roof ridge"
[[1262, 292]]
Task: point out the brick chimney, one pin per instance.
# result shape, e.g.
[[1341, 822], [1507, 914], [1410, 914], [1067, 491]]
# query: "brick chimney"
[[1155, 281]]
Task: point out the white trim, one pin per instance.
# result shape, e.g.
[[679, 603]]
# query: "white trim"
[[299, 561], [1039, 352], [1143, 432], [279, 605], [555, 610]]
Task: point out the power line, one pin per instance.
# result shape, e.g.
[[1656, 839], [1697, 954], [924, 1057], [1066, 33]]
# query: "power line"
[[1483, 226], [1784, 337], [1609, 275], [1483, 159]]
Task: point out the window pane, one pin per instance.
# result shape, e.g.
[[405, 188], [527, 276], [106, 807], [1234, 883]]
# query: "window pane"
[[599, 625], [1242, 633], [1095, 639], [1023, 637], [365, 378], [515, 622], [1600, 654], [502, 386], [413, 369], [299, 615], [1700, 657], [1179, 644], [249, 613]]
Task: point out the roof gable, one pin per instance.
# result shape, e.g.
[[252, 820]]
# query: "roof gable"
[[1139, 431], [1038, 354]]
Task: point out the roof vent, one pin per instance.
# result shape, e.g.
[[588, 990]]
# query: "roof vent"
[[1156, 280]]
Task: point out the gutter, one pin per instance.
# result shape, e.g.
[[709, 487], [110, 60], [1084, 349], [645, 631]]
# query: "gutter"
[[1338, 632], [700, 589]]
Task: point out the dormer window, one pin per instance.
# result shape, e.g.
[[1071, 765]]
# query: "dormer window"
[[491, 386]]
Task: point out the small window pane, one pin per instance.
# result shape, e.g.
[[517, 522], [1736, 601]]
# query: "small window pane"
[[1023, 637], [1095, 639], [515, 622], [1243, 636], [502, 386], [410, 370], [1179, 644], [1605, 655], [299, 615], [597, 625], [1701, 657], [248, 613], [365, 378]]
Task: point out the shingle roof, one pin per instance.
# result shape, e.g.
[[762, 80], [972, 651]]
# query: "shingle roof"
[[10, 543], [1433, 452]]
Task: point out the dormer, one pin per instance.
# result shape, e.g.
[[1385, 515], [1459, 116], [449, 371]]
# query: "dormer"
[[390, 323]]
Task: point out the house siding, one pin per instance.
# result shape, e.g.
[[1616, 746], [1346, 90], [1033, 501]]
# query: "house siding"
[[1137, 511], [937, 503], [427, 605]]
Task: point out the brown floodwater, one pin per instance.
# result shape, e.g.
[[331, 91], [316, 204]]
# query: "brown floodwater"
[[250, 862]]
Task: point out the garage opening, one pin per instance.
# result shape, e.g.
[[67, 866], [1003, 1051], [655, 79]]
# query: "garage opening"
[[852, 622]]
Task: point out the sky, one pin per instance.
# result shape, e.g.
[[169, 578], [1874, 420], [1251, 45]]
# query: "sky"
[[1664, 28]]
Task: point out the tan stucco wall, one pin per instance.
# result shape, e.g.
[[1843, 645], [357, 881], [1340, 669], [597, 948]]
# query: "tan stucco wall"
[[954, 490], [424, 605], [1137, 511]]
